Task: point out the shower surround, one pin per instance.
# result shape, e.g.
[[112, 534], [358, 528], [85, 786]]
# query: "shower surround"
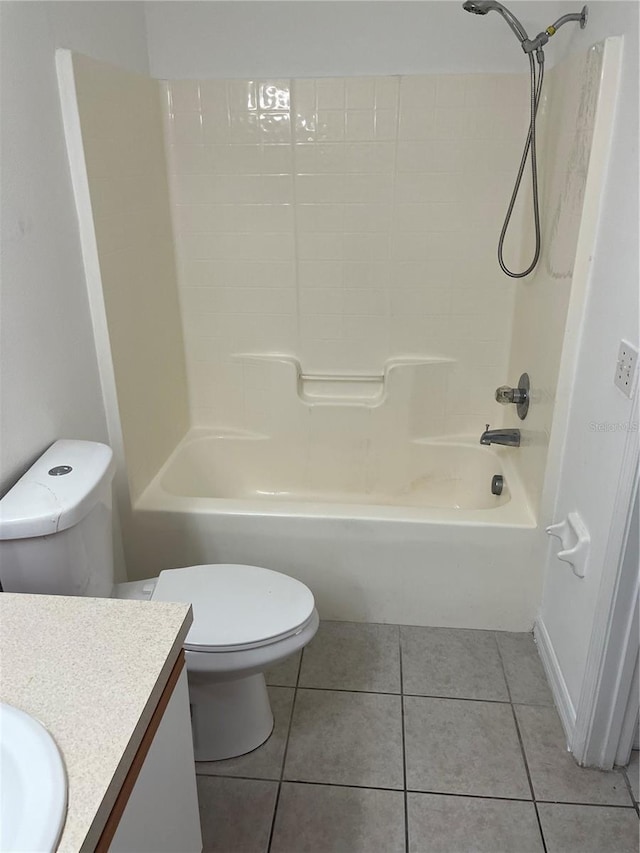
[[345, 222], [342, 325]]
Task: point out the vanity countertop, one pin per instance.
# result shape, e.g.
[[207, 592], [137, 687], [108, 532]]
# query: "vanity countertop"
[[92, 671]]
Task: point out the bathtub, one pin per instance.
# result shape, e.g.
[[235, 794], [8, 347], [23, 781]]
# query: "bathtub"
[[413, 536]]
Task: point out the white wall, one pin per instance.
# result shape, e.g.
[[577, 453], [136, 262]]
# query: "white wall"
[[337, 38], [111, 30], [592, 457], [49, 379]]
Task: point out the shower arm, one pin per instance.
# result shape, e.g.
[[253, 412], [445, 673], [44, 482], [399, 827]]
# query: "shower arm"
[[529, 45]]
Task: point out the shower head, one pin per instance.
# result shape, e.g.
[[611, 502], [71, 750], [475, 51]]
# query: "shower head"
[[483, 7], [479, 8]]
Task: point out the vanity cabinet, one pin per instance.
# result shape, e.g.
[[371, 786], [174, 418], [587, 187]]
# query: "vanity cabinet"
[[157, 808]]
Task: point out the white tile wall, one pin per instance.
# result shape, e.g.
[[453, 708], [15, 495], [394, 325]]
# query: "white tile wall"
[[344, 222]]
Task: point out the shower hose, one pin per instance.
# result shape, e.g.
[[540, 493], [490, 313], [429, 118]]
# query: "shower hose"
[[530, 145]]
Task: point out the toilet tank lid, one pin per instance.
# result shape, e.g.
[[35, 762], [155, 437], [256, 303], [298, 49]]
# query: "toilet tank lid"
[[58, 491]]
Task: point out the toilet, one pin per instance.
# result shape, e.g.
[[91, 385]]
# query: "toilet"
[[55, 538]]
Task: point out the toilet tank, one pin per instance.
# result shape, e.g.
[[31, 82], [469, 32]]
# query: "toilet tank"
[[55, 523]]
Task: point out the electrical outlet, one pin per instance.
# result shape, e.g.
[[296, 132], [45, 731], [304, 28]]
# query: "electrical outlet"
[[625, 377]]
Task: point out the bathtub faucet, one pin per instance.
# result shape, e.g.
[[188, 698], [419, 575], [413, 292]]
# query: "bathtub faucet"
[[508, 437]]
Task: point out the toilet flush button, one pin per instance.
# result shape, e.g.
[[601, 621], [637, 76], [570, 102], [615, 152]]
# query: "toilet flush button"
[[59, 470]]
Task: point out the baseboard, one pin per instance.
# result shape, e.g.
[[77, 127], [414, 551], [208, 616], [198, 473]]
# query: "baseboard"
[[561, 696]]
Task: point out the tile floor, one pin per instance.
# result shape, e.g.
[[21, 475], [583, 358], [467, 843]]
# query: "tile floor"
[[391, 739]]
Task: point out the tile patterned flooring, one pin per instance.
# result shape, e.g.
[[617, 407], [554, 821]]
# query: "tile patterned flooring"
[[393, 739]]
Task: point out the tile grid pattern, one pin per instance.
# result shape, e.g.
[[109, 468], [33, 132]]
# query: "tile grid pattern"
[[378, 654], [343, 221]]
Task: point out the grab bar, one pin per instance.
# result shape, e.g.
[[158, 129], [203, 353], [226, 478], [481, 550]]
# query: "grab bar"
[[339, 377]]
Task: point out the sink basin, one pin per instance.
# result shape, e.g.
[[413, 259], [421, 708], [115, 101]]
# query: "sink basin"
[[33, 785]]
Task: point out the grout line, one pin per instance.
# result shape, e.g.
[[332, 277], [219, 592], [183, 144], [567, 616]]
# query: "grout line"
[[404, 749], [308, 782], [504, 671], [589, 805], [275, 811], [625, 776], [520, 741], [350, 690], [398, 693], [284, 754], [469, 796], [533, 796]]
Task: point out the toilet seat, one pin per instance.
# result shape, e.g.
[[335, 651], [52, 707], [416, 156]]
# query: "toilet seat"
[[237, 607]]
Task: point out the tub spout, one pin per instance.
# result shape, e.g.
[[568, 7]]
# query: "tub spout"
[[507, 437]]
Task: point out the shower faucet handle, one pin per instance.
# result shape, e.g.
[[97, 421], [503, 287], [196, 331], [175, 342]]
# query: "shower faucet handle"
[[505, 394]]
